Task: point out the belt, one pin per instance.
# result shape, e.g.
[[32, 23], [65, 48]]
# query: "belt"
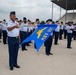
[[23, 31], [3, 30], [14, 37]]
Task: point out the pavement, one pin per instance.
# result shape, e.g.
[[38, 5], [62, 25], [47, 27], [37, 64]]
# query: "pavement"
[[63, 62]]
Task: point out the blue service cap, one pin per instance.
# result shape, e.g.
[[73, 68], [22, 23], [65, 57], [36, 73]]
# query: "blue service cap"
[[12, 13], [29, 20], [24, 18], [16, 18], [4, 20], [37, 19], [49, 19]]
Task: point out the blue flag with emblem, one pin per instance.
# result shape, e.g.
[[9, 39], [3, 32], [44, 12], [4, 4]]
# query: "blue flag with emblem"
[[41, 34]]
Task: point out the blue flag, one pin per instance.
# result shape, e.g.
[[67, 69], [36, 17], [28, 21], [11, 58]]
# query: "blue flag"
[[41, 34]]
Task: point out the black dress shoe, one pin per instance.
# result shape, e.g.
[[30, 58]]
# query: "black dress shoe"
[[25, 49], [69, 47], [47, 54], [50, 53], [28, 45], [60, 39], [11, 68], [30, 42], [56, 44], [5, 43], [17, 66]]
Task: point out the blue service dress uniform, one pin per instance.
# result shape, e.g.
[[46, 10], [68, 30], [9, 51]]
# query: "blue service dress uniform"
[[23, 34], [0, 32], [48, 45], [69, 36], [65, 31], [13, 43], [57, 30], [74, 32], [29, 33], [4, 31], [61, 32]]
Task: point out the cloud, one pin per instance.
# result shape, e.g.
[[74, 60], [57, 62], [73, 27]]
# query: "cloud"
[[31, 9]]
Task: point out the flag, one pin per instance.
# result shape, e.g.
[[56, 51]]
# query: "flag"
[[41, 34]]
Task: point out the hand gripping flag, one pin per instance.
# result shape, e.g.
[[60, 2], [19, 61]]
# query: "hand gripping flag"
[[41, 34]]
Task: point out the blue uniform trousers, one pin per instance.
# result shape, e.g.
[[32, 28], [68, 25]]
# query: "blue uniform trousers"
[[48, 45], [56, 38], [13, 46], [69, 39], [74, 35], [0, 34], [23, 37], [4, 36], [61, 33], [65, 34]]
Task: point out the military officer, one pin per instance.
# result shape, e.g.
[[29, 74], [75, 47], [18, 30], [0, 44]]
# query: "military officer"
[[4, 31], [13, 40], [57, 30], [0, 31], [74, 31], [48, 42], [61, 30], [65, 30], [70, 29], [23, 32]]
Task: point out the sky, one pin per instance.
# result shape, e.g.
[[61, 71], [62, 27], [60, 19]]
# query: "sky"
[[31, 9]]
